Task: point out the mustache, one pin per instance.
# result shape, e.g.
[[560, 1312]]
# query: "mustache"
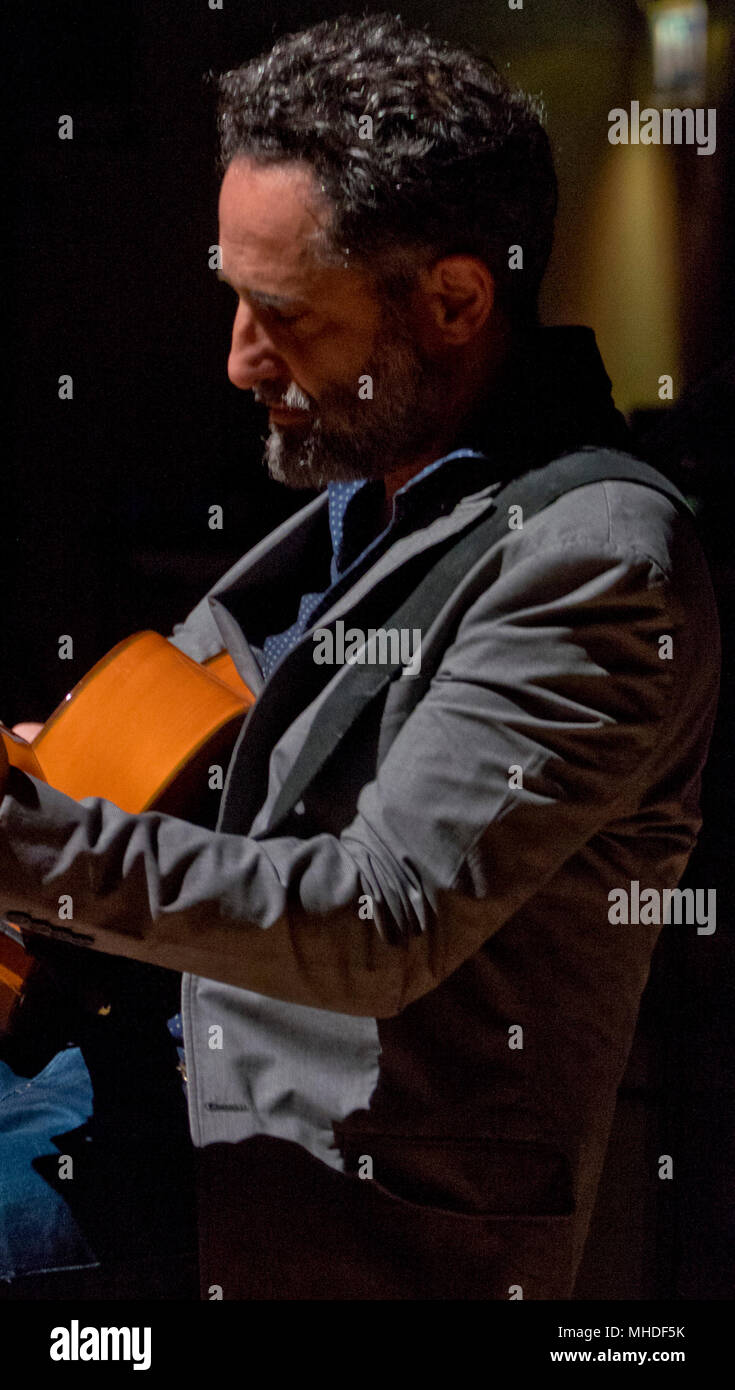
[[292, 399]]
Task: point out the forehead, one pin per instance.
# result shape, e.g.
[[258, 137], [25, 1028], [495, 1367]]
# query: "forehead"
[[269, 220]]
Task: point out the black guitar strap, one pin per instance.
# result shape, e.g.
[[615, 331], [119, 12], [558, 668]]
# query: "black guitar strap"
[[532, 492]]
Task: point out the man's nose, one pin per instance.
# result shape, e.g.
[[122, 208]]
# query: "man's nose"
[[253, 357]]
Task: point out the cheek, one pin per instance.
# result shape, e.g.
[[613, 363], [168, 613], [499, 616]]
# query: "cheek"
[[332, 353], [344, 352]]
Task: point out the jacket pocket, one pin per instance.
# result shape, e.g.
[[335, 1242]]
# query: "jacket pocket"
[[471, 1176], [476, 1218]]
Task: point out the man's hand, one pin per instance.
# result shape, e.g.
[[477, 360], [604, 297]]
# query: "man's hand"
[[15, 748], [27, 731]]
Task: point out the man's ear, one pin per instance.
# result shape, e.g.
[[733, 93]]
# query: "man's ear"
[[458, 294]]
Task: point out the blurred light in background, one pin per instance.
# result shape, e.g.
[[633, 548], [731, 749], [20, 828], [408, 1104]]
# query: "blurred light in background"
[[678, 30]]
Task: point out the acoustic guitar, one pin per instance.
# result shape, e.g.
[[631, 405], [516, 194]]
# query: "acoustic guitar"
[[141, 729]]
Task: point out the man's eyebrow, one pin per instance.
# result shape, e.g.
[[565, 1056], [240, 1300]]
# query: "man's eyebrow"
[[270, 301]]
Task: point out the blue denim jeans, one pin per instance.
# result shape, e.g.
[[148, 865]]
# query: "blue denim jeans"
[[38, 1230], [76, 1193]]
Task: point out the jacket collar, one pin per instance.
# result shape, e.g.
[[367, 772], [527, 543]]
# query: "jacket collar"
[[551, 397]]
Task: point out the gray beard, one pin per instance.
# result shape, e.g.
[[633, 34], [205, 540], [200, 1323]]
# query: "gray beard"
[[350, 438]]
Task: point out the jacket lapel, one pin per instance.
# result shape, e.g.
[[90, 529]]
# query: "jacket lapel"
[[256, 596], [298, 680]]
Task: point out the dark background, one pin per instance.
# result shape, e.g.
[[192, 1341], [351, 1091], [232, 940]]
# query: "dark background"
[[107, 496]]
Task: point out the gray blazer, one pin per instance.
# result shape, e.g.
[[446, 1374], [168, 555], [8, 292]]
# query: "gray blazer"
[[409, 1003]]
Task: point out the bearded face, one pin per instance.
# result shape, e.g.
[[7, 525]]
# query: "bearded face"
[[342, 437], [361, 362]]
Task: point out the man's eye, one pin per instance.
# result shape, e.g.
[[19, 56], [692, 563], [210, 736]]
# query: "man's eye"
[[279, 316]]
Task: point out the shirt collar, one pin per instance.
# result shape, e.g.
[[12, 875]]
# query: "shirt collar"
[[354, 507]]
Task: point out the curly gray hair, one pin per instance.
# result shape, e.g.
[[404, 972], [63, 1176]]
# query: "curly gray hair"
[[456, 160]]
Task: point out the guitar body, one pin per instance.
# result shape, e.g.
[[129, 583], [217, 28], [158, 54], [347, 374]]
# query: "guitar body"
[[141, 729]]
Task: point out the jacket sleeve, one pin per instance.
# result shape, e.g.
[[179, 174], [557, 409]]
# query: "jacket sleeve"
[[555, 670]]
